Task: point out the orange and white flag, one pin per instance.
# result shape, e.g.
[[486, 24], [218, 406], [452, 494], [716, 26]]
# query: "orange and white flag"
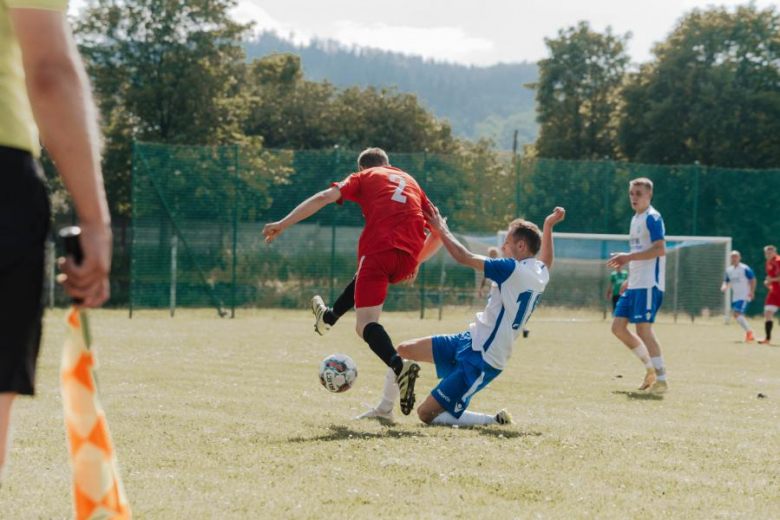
[[97, 488]]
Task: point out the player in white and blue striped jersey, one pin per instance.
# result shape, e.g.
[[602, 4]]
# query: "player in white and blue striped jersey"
[[743, 289], [640, 302], [469, 361]]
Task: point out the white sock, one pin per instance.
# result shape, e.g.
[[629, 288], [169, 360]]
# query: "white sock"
[[467, 419], [660, 369], [743, 323], [643, 355], [390, 393]]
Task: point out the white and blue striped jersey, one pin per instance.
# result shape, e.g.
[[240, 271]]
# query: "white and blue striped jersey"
[[739, 277], [646, 228], [513, 297]]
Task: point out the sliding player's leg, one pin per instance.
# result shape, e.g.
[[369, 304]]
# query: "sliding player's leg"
[[463, 374]]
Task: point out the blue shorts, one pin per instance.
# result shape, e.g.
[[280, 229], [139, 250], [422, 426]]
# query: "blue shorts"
[[639, 305], [740, 306], [462, 371]]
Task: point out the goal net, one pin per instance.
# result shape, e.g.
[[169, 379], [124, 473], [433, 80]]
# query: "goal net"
[[695, 268]]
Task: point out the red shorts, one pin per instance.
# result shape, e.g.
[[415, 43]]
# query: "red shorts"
[[773, 298], [377, 271]]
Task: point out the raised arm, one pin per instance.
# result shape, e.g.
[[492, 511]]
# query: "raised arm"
[[547, 252], [457, 250], [304, 210], [61, 101]]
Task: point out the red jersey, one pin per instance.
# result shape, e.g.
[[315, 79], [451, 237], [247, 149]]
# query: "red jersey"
[[392, 204], [773, 270]]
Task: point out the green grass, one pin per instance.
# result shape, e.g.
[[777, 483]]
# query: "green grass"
[[226, 419]]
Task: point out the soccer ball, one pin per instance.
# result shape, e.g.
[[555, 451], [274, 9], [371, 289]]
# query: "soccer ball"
[[338, 372]]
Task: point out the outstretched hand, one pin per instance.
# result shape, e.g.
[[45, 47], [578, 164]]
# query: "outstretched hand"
[[619, 259], [271, 231], [434, 219]]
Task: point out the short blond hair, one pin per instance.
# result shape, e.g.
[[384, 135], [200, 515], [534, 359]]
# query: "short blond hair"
[[520, 229], [770, 248], [642, 181]]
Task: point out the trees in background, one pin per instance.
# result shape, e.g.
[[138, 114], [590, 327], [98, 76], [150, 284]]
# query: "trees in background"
[[577, 93], [711, 94]]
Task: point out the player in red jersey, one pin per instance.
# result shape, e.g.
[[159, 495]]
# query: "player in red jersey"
[[391, 246], [772, 304]]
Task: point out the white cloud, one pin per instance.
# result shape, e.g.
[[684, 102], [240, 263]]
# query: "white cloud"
[[442, 43], [249, 11]]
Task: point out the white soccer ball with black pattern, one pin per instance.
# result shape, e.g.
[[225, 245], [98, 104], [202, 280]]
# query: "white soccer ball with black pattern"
[[338, 372]]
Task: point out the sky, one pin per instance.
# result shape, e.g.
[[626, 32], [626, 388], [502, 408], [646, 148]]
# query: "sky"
[[468, 32]]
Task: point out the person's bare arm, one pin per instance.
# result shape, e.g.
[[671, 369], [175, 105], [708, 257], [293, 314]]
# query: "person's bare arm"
[[753, 282], [62, 104], [457, 250], [430, 247], [304, 210], [656, 249], [547, 252]]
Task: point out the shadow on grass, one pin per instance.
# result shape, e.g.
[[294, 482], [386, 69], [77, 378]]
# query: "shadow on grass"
[[639, 396], [339, 432], [506, 434]]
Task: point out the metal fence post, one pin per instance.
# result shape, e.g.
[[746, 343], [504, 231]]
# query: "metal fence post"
[[422, 267], [333, 231], [134, 213], [235, 235], [696, 169]]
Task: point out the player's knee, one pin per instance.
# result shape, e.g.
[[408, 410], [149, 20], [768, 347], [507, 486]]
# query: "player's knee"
[[425, 416], [618, 328]]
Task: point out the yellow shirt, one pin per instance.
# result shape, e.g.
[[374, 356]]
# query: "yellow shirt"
[[17, 125]]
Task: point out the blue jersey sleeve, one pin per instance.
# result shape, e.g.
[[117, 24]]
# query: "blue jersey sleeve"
[[749, 273], [655, 225], [727, 278], [499, 269]]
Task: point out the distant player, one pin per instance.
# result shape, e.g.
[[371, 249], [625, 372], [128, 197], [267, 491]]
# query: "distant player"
[[616, 280], [772, 281], [469, 361], [390, 247], [743, 289], [646, 281]]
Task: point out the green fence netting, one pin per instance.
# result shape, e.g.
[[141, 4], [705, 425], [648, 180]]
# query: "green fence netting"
[[198, 212]]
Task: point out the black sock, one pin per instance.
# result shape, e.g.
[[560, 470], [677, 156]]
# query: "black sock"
[[377, 338], [768, 328], [343, 304]]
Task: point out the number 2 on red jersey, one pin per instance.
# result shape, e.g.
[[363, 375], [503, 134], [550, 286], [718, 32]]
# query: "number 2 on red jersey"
[[398, 194]]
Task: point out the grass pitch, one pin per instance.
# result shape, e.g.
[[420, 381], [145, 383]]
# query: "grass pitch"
[[218, 418]]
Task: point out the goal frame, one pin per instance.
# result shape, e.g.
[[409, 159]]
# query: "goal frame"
[[500, 236]]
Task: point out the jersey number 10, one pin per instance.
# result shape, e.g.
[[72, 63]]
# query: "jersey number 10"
[[523, 312]]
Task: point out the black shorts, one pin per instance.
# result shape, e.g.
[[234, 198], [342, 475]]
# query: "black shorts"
[[24, 224], [615, 299]]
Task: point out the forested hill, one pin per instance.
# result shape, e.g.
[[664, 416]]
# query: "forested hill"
[[477, 101]]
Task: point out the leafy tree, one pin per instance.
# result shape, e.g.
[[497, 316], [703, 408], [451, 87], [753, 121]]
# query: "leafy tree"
[[164, 71], [577, 93], [711, 95]]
